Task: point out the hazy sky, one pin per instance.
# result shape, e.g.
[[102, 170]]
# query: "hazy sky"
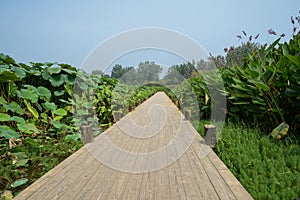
[[68, 30]]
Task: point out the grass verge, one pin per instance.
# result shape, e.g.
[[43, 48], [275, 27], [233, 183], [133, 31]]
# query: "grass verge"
[[267, 168]]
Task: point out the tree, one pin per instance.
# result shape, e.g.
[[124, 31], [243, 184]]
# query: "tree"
[[97, 72], [177, 73], [209, 65], [173, 76], [126, 74], [236, 56], [129, 75], [117, 71], [148, 71]]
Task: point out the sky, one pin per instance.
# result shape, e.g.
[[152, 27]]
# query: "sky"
[[67, 31]]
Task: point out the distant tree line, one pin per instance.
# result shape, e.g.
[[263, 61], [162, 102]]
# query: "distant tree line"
[[149, 71], [146, 72]]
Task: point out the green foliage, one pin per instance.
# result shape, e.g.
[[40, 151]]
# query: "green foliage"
[[119, 72], [4, 117], [142, 93], [8, 132], [19, 158], [147, 72], [265, 90], [126, 98], [262, 90], [37, 102], [22, 164], [236, 56]]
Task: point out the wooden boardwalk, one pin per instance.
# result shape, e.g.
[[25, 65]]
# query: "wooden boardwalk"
[[151, 153]]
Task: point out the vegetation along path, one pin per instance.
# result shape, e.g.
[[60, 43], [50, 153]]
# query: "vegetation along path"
[[151, 153]]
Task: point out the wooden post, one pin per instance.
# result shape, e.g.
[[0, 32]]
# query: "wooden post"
[[187, 114], [210, 135], [87, 134], [117, 115]]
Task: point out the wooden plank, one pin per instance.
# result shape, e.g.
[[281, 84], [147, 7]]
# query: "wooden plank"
[[176, 182], [189, 183], [217, 181], [203, 182], [148, 178], [56, 171], [96, 188], [191, 189], [125, 180], [56, 179], [153, 180], [93, 169], [72, 183], [238, 190], [162, 181], [139, 183]]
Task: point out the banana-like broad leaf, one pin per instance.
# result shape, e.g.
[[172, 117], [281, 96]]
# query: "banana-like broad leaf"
[[70, 79], [260, 84], [292, 91], [46, 75], [31, 109], [70, 70], [57, 118], [44, 117], [2, 101]]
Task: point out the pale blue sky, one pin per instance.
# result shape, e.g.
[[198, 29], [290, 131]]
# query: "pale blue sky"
[[67, 30]]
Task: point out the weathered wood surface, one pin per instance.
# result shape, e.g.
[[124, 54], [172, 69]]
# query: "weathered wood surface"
[[185, 169]]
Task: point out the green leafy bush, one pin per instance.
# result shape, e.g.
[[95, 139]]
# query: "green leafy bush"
[[265, 90]]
